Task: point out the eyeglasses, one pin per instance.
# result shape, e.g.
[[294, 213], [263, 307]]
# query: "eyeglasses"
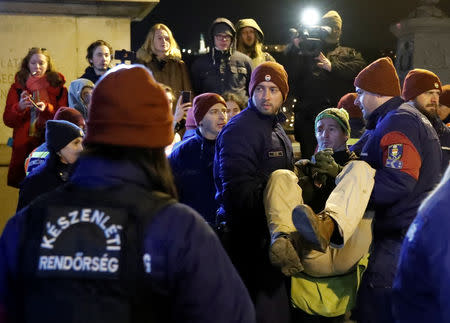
[[222, 37]]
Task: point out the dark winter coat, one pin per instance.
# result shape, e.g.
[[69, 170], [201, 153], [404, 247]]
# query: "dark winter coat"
[[192, 168], [420, 290], [248, 149], [188, 265], [219, 72], [45, 178], [404, 149], [443, 133]]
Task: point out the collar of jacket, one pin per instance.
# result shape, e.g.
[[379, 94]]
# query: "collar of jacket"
[[217, 55], [205, 140], [280, 117], [438, 125], [97, 172], [382, 110]]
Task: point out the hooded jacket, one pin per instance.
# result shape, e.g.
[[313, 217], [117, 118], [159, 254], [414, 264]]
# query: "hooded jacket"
[[249, 22], [75, 100], [218, 71]]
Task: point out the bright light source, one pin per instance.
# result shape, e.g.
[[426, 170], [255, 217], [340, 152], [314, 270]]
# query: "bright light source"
[[189, 51], [183, 50], [310, 17]]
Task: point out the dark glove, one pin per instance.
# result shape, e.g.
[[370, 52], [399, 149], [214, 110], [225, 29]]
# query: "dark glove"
[[324, 163]]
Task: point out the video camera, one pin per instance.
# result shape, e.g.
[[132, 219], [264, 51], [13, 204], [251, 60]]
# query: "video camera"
[[124, 55], [311, 38]]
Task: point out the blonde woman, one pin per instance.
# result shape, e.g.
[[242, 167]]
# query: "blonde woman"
[[160, 53]]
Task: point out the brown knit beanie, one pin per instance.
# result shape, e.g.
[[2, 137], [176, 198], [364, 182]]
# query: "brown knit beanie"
[[380, 78], [418, 81], [347, 102], [71, 115], [270, 72], [129, 108], [203, 102], [340, 115], [445, 95], [332, 19]]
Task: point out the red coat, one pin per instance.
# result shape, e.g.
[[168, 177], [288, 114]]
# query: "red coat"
[[23, 144]]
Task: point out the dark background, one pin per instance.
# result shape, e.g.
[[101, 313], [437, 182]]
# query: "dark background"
[[365, 22]]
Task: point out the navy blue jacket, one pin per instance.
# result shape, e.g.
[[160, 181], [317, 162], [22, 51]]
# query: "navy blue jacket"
[[45, 178], [220, 72], [403, 148], [248, 149], [192, 167], [443, 133], [421, 287], [188, 262]]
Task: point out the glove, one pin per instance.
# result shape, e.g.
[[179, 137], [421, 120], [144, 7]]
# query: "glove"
[[325, 164]]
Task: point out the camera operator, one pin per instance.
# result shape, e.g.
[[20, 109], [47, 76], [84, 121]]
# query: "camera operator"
[[321, 71]]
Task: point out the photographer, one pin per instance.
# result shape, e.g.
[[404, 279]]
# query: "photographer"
[[320, 72]]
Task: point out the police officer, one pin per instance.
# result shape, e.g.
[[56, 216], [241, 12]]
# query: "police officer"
[[402, 146], [422, 88], [113, 245]]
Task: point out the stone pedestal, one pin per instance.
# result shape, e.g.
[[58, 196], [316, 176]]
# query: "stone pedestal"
[[423, 42]]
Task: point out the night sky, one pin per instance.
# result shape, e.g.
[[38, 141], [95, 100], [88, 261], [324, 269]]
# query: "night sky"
[[365, 22]]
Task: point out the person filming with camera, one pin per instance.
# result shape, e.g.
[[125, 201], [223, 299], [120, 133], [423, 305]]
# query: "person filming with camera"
[[321, 71]]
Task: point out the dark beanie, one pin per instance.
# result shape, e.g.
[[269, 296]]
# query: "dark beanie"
[[445, 95], [340, 115], [203, 102], [270, 72], [59, 133], [71, 115], [380, 78], [347, 102], [129, 108], [418, 81]]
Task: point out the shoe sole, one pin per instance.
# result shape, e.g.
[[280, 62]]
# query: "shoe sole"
[[301, 217]]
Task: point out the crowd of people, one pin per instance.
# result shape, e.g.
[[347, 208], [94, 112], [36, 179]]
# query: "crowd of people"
[[164, 192]]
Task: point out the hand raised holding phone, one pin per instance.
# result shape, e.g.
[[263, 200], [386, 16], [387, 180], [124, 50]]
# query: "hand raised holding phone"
[[183, 105]]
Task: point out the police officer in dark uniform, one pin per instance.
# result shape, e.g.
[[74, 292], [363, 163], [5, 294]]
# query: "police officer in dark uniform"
[[113, 245]]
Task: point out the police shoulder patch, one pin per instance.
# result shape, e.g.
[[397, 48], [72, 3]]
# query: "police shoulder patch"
[[395, 153]]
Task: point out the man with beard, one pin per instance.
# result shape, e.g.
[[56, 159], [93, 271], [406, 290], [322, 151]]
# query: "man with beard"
[[99, 57], [249, 148], [250, 41], [320, 80], [422, 89], [403, 148]]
